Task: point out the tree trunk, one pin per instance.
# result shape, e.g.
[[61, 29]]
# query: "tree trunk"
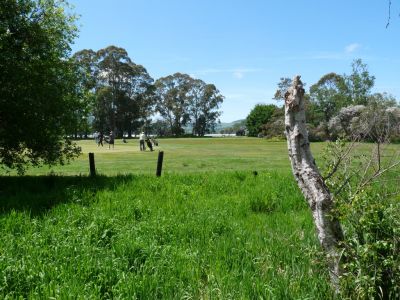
[[310, 180]]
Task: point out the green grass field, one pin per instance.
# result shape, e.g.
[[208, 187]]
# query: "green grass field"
[[199, 236], [207, 229], [180, 156]]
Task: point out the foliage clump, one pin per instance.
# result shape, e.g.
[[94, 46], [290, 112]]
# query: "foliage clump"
[[336, 105], [38, 83], [259, 115], [367, 205]]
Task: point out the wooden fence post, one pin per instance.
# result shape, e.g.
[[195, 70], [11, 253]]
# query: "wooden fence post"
[[159, 163], [92, 165]]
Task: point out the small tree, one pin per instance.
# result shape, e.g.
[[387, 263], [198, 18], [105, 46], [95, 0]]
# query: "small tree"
[[258, 116]]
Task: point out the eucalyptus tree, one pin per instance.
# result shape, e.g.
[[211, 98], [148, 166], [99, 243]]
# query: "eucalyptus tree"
[[38, 82], [141, 104], [205, 99], [182, 99], [113, 70], [173, 100], [85, 62], [283, 85], [124, 92], [359, 83], [328, 95]]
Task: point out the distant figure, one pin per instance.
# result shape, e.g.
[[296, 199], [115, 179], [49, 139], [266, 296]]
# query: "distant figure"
[[100, 138], [96, 137], [111, 140], [142, 137], [148, 142], [124, 141]]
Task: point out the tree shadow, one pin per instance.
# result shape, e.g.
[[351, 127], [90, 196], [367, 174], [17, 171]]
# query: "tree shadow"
[[38, 194]]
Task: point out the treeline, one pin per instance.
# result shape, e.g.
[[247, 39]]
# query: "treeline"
[[49, 96], [121, 96], [336, 106]]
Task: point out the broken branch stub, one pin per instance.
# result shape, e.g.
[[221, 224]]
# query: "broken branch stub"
[[310, 180]]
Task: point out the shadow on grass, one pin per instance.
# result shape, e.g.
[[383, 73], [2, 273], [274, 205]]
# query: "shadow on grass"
[[38, 194]]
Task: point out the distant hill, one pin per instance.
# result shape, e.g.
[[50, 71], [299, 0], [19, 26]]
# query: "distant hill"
[[219, 127], [231, 124]]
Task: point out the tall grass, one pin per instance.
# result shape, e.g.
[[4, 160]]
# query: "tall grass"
[[210, 236]]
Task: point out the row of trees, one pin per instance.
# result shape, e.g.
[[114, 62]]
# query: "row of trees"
[[335, 106], [48, 96], [120, 95]]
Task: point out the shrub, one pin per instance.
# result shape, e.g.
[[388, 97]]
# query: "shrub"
[[371, 247], [368, 211]]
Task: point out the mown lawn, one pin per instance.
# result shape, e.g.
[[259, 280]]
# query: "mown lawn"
[[184, 155]]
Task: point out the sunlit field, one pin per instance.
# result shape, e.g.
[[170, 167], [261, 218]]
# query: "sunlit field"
[[209, 228], [228, 235], [184, 155]]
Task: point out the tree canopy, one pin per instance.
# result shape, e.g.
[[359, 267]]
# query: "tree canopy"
[[38, 83], [259, 115], [120, 92], [182, 99], [332, 103], [121, 96]]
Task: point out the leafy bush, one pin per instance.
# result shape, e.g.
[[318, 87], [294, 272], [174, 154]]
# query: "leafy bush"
[[371, 261], [259, 115], [369, 216]]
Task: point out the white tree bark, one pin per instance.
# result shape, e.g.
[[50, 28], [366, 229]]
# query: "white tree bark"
[[309, 179]]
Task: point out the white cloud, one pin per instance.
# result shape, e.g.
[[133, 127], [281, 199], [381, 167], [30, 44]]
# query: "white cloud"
[[238, 74], [352, 47]]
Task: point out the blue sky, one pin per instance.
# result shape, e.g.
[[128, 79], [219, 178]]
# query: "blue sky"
[[244, 47]]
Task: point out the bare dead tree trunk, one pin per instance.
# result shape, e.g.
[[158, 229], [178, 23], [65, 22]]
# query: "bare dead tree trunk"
[[310, 180]]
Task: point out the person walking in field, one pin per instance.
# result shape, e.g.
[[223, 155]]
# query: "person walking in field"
[[111, 140], [142, 137], [100, 138], [149, 144]]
